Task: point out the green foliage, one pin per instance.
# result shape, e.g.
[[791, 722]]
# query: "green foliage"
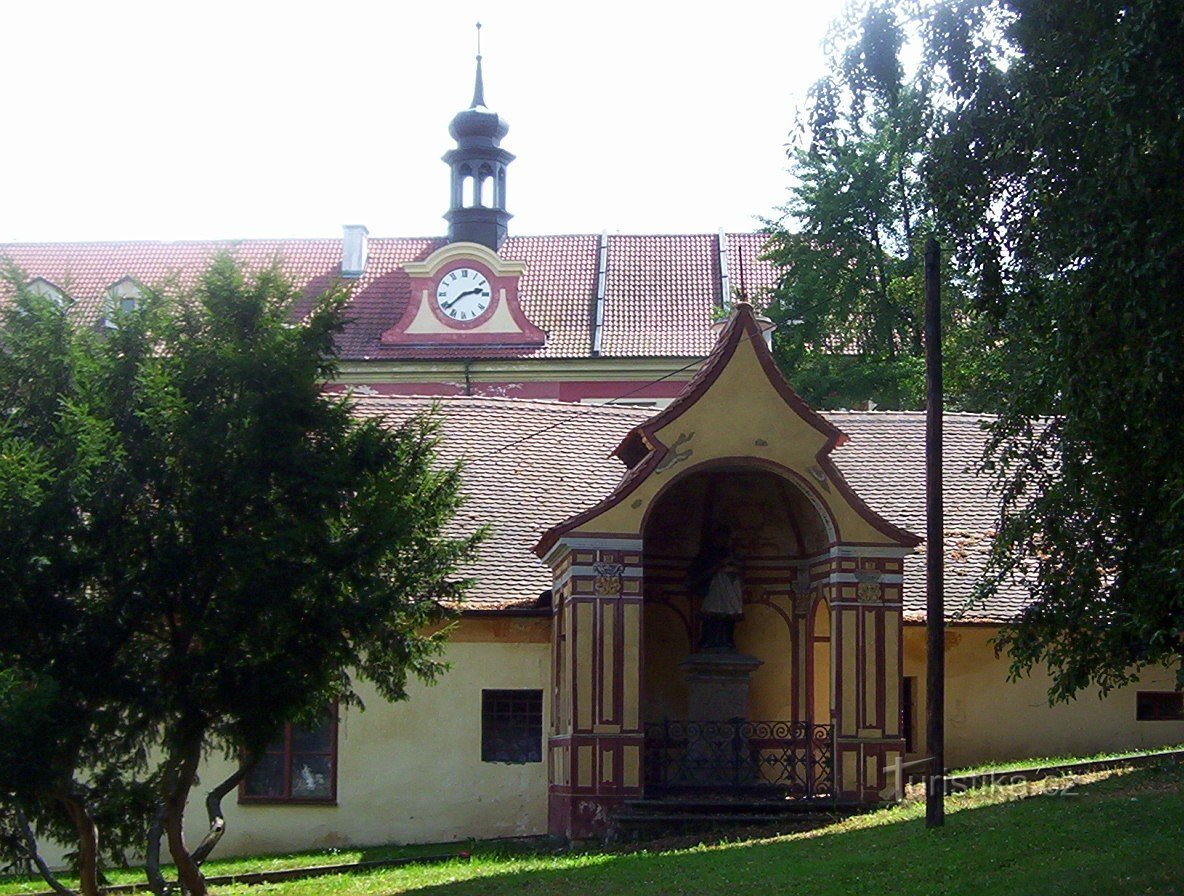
[[850, 301], [72, 726], [199, 543], [1057, 169]]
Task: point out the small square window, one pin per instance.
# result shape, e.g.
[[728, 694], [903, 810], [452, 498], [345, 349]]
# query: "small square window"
[[511, 726], [300, 766], [1159, 706]]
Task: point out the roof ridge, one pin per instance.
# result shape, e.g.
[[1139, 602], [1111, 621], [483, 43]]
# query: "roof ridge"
[[541, 403]]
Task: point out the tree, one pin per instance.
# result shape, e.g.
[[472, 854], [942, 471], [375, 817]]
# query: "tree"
[[1057, 167], [850, 297], [73, 726], [259, 545]]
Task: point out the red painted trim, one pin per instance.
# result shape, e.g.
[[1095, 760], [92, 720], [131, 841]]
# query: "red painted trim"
[[465, 332]]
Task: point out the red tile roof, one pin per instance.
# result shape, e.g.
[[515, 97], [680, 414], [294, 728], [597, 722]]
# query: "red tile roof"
[[661, 292], [885, 464], [531, 464]]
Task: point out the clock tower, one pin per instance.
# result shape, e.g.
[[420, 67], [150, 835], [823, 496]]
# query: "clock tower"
[[464, 296], [477, 212]]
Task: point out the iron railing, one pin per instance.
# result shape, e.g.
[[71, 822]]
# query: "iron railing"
[[739, 756]]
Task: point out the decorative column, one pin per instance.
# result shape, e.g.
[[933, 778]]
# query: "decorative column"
[[864, 590], [596, 741]]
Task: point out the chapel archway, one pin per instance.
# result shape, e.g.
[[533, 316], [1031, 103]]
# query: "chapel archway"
[[704, 674]]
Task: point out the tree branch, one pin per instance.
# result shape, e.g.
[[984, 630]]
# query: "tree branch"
[[29, 845], [214, 811]]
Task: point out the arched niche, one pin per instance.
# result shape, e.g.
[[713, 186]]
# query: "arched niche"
[[772, 526]]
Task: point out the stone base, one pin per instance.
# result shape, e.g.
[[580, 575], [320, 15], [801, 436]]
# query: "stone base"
[[717, 685]]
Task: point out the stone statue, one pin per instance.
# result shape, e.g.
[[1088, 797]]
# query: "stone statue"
[[715, 576]]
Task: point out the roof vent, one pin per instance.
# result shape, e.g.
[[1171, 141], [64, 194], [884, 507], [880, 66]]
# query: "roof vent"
[[354, 250]]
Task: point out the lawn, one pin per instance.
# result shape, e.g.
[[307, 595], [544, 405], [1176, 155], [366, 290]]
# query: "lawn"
[[1039, 762], [1104, 833], [1122, 833]]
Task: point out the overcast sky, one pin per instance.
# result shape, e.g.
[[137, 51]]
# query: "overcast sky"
[[179, 120]]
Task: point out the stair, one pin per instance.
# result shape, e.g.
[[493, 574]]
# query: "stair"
[[646, 818]]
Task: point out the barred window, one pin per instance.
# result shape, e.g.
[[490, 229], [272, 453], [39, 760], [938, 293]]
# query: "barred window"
[[300, 766], [1159, 706], [512, 726]]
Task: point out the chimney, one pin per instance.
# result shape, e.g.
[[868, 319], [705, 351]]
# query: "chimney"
[[353, 251]]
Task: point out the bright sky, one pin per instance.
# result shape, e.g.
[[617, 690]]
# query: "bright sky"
[[183, 119]]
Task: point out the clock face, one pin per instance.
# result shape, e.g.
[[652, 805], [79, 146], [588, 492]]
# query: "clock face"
[[463, 294]]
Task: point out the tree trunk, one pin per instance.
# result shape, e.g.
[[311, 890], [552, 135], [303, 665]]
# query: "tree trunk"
[[156, 882], [214, 812], [176, 796], [88, 845]]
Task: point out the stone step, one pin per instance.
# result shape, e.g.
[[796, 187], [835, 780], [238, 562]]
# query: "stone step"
[[676, 806], [709, 818]]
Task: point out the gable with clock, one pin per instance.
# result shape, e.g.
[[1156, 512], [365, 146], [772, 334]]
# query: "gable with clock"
[[465, 294]]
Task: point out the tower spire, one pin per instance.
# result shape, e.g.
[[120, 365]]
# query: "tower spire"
[[479, 86]]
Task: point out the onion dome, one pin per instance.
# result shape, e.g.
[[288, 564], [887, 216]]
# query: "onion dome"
[[478, 125]]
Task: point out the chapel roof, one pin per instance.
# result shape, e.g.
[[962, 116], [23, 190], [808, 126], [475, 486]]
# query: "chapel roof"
[[530, 464], [661, 294]]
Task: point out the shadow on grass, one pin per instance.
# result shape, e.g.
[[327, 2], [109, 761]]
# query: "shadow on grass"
[[1121, 835]]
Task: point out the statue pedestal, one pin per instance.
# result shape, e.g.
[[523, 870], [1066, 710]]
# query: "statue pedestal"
[[717, 685]]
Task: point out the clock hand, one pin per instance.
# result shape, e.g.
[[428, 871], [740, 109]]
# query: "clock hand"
[[469, 292]]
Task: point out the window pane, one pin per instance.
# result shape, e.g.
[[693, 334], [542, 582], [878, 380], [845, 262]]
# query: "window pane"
[[511, 726], [267, 777], [1159, 706], [313, 740], [312, 777]]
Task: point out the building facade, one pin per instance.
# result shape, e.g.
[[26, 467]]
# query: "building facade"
[[694, 582]]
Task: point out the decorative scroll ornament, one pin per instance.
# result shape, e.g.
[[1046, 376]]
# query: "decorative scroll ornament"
[[677, 452], [869, 588], [608, 578]]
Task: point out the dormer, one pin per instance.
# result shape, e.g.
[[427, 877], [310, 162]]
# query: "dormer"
[[122, 297], [39, 286]]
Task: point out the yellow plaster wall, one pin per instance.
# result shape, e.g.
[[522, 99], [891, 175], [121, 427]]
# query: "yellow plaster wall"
[[763, 633], [821, 647], [711, 429], [988, 717], [666, 645], [412, 771]]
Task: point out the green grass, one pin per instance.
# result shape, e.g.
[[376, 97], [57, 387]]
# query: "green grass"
[[1105, 833], [1038, 762], [14, 885], [1119, 835]]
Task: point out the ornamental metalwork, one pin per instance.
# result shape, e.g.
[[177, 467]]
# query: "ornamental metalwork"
[[739, 756]]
